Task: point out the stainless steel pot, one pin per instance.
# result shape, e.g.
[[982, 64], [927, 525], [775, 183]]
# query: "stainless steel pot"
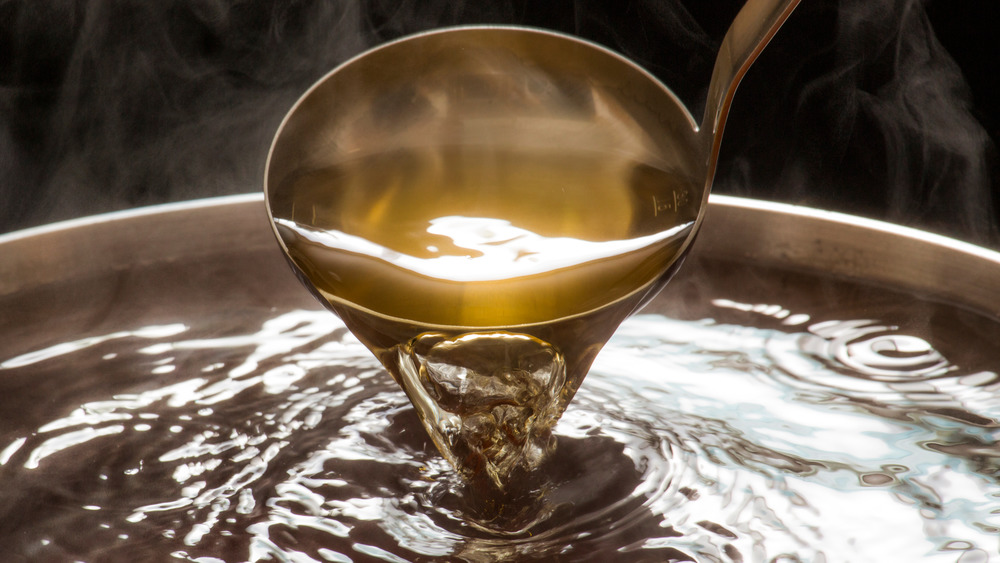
[[233, 234], [210, 269]]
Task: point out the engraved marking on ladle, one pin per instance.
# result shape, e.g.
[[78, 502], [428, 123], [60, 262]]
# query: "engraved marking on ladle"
[[679, 198]]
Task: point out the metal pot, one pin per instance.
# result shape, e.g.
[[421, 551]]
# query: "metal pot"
[[233, 234], [213, 267]]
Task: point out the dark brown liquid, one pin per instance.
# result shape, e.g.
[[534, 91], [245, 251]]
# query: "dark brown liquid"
[[209, 409]]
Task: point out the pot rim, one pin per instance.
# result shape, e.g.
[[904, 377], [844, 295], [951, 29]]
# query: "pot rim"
[[739, 229]]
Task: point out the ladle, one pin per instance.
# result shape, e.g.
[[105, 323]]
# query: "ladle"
[[488, 103]]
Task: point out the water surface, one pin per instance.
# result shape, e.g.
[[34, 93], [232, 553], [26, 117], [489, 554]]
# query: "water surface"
[[187, 414]]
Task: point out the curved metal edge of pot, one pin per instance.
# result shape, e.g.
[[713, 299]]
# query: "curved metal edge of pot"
[[846, 246], [124, 239], [738, 229]]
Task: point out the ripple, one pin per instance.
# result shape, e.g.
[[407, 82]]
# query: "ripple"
[[691, 440]]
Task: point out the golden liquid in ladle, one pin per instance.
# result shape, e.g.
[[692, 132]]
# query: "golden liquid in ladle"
[[485, 281]]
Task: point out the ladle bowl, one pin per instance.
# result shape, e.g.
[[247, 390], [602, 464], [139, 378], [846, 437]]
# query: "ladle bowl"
[[489, 92]]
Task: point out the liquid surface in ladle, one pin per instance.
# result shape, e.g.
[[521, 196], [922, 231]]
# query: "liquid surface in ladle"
[[485, 280]]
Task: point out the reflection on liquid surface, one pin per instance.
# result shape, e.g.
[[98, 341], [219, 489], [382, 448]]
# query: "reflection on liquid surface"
[[728, 428]]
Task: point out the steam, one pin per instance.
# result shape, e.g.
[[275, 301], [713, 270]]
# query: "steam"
[[135, 102], [107, 104], [887, 130]]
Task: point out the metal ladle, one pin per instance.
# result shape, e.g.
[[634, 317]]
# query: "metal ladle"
[[497, 89]]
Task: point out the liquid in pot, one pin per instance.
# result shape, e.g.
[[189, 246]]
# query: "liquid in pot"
[[209, 412]]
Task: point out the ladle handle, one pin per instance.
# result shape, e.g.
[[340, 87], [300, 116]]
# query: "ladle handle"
[[750, 32]]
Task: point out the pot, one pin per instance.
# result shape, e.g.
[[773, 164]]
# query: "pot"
[[236, 228], [147, 354]]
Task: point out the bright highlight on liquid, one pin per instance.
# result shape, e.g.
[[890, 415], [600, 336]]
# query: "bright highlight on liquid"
[[482, 249]]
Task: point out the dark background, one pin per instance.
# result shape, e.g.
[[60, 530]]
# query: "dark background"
[[883, 108]]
